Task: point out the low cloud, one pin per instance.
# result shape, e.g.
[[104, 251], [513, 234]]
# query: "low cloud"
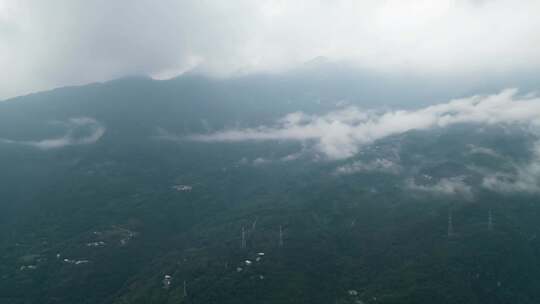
[[525, 178], [445, 186], [260, 161], [291, 157], [165, 135], [378, 165], [474, 149], [341, 134], [91, 129]]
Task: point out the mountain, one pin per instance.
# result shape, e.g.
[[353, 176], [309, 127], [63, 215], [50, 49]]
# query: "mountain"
[[106, 199]]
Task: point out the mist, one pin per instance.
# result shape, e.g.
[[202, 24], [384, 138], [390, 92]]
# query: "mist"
[[50, 44]]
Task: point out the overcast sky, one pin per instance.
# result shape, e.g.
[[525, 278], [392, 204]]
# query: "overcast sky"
[[47, 44]]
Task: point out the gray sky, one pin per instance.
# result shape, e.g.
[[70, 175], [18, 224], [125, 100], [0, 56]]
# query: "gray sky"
[[47, 44]]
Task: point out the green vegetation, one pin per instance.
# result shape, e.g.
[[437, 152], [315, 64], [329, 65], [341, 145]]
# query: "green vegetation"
[[366, 232]]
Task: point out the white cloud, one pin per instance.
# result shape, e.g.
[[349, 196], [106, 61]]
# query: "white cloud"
[[474, 149], [163, 134], [93, 132], [378, 165], [291, 157], [340, 134], [445, 186], [260, 161], [45, 44], [525, 178]]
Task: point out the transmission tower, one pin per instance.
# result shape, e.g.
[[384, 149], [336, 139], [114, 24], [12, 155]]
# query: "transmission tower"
[[243, 238], [490, 220], [450, 224], [280, 236]]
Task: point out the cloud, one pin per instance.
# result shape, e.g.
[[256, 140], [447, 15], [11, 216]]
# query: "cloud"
[[474, 149], [91, 131], [445, 186], [260, 161], [378, 165], [46, 44], [162, 134], [291, 157], [340, 134], [525, 178]]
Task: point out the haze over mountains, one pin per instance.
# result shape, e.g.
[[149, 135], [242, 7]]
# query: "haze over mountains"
[[269, 151], [109, 187], [48, 45]]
